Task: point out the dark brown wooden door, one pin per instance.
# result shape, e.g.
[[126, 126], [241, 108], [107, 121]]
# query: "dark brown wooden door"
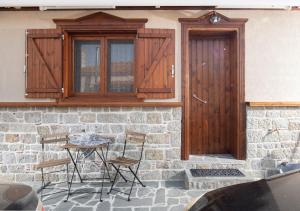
[[211, 95]]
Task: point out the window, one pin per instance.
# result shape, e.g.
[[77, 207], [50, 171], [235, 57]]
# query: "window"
[[103, 65], [100, 57]]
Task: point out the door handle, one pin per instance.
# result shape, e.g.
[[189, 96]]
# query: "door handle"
[[199, 99]]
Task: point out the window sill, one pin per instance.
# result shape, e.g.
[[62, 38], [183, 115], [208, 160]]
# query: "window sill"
[[113, 102]]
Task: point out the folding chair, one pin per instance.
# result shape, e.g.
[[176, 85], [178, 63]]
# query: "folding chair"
[[46, 164], [126, 162]]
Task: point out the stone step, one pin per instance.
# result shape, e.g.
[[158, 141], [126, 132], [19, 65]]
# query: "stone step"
[[211, 183]]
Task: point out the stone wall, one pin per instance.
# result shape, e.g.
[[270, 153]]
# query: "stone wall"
[[273, 136], [20, 130]]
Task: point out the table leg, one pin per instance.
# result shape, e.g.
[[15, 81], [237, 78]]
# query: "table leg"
[[104, 162], [75, 163]]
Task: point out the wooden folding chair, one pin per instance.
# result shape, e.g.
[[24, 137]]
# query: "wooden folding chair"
[[126, 162], [51, 163]]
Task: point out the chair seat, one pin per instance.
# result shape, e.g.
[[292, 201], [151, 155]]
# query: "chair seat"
[[51, 163], [123, 161]]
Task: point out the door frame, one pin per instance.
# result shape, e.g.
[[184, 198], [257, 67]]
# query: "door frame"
[[225, 24]]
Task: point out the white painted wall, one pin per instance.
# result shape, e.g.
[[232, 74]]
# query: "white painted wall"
[[272, 49]]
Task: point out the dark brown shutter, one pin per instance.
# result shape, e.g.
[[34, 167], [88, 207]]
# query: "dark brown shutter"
[[44, 63], [155, 60]]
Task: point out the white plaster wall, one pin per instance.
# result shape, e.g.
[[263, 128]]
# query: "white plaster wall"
[[272, 49]]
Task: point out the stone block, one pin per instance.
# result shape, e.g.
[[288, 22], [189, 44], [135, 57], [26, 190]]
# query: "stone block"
[[50, 118], [154, 154], [288, 113], [254, 136], [61, 109], [166, 116], [267, 163], [173, 154], [137, 117], [43, 130], [4, 127], [294, 125], [154, 118], [16, 147], [8, 117], [176, 113], [272, 113], [256, 112], [56, 129], [280, 123], [71, 118], [112, 118], [150, 175], [117, 128], [175, 139], [158, 138], [24, 177], [259, 123], [9, 158], [173, 174], [33, 117], [28, 138], [88, 117], [174, 126], [12, 138], [78, 129]]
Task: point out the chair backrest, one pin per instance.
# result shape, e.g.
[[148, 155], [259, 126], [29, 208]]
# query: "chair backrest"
[[137, 138], [52, 139]]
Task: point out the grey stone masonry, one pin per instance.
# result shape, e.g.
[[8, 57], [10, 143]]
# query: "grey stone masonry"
[[21, 129], [273, 136]]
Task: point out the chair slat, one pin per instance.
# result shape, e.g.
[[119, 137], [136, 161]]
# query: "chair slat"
[[52, 163], [54, 140]]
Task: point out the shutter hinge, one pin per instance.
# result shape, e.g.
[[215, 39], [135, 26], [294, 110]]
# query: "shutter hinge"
[[173, 71], [63, 37], [62, 90], [25, 68]]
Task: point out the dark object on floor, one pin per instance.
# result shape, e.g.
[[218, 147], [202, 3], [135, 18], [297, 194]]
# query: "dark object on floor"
[[216, 173], [285, 167], [276, 193], [17, 197]]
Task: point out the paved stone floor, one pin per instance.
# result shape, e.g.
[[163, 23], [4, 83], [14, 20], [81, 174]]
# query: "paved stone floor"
[[156, 196]]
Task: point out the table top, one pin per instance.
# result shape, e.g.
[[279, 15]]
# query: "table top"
[[88, 141]]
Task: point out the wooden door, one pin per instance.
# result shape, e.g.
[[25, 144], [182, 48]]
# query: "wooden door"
[[211, 96]]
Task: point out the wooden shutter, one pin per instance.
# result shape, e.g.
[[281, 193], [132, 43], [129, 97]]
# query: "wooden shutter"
[[44, 63], [155, 60]]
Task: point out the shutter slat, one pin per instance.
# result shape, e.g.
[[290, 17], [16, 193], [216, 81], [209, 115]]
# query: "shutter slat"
[[44, 63], [155, 59]]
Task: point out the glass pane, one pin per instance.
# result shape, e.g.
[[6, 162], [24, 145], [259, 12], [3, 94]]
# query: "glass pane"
[[120, 66], [87, 63]]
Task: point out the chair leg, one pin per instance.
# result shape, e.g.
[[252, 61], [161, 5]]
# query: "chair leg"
[[135, 176], [131, 186], [43, 184], [119, 172], [115, 178]]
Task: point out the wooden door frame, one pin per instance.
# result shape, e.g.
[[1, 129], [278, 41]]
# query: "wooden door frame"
[[225, 24]]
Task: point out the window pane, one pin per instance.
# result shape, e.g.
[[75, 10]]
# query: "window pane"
[[120, 66], [87, 62]]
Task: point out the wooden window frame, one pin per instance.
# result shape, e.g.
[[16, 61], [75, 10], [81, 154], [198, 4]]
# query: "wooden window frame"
[[103, 88], [100, 24], [203, 24]]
